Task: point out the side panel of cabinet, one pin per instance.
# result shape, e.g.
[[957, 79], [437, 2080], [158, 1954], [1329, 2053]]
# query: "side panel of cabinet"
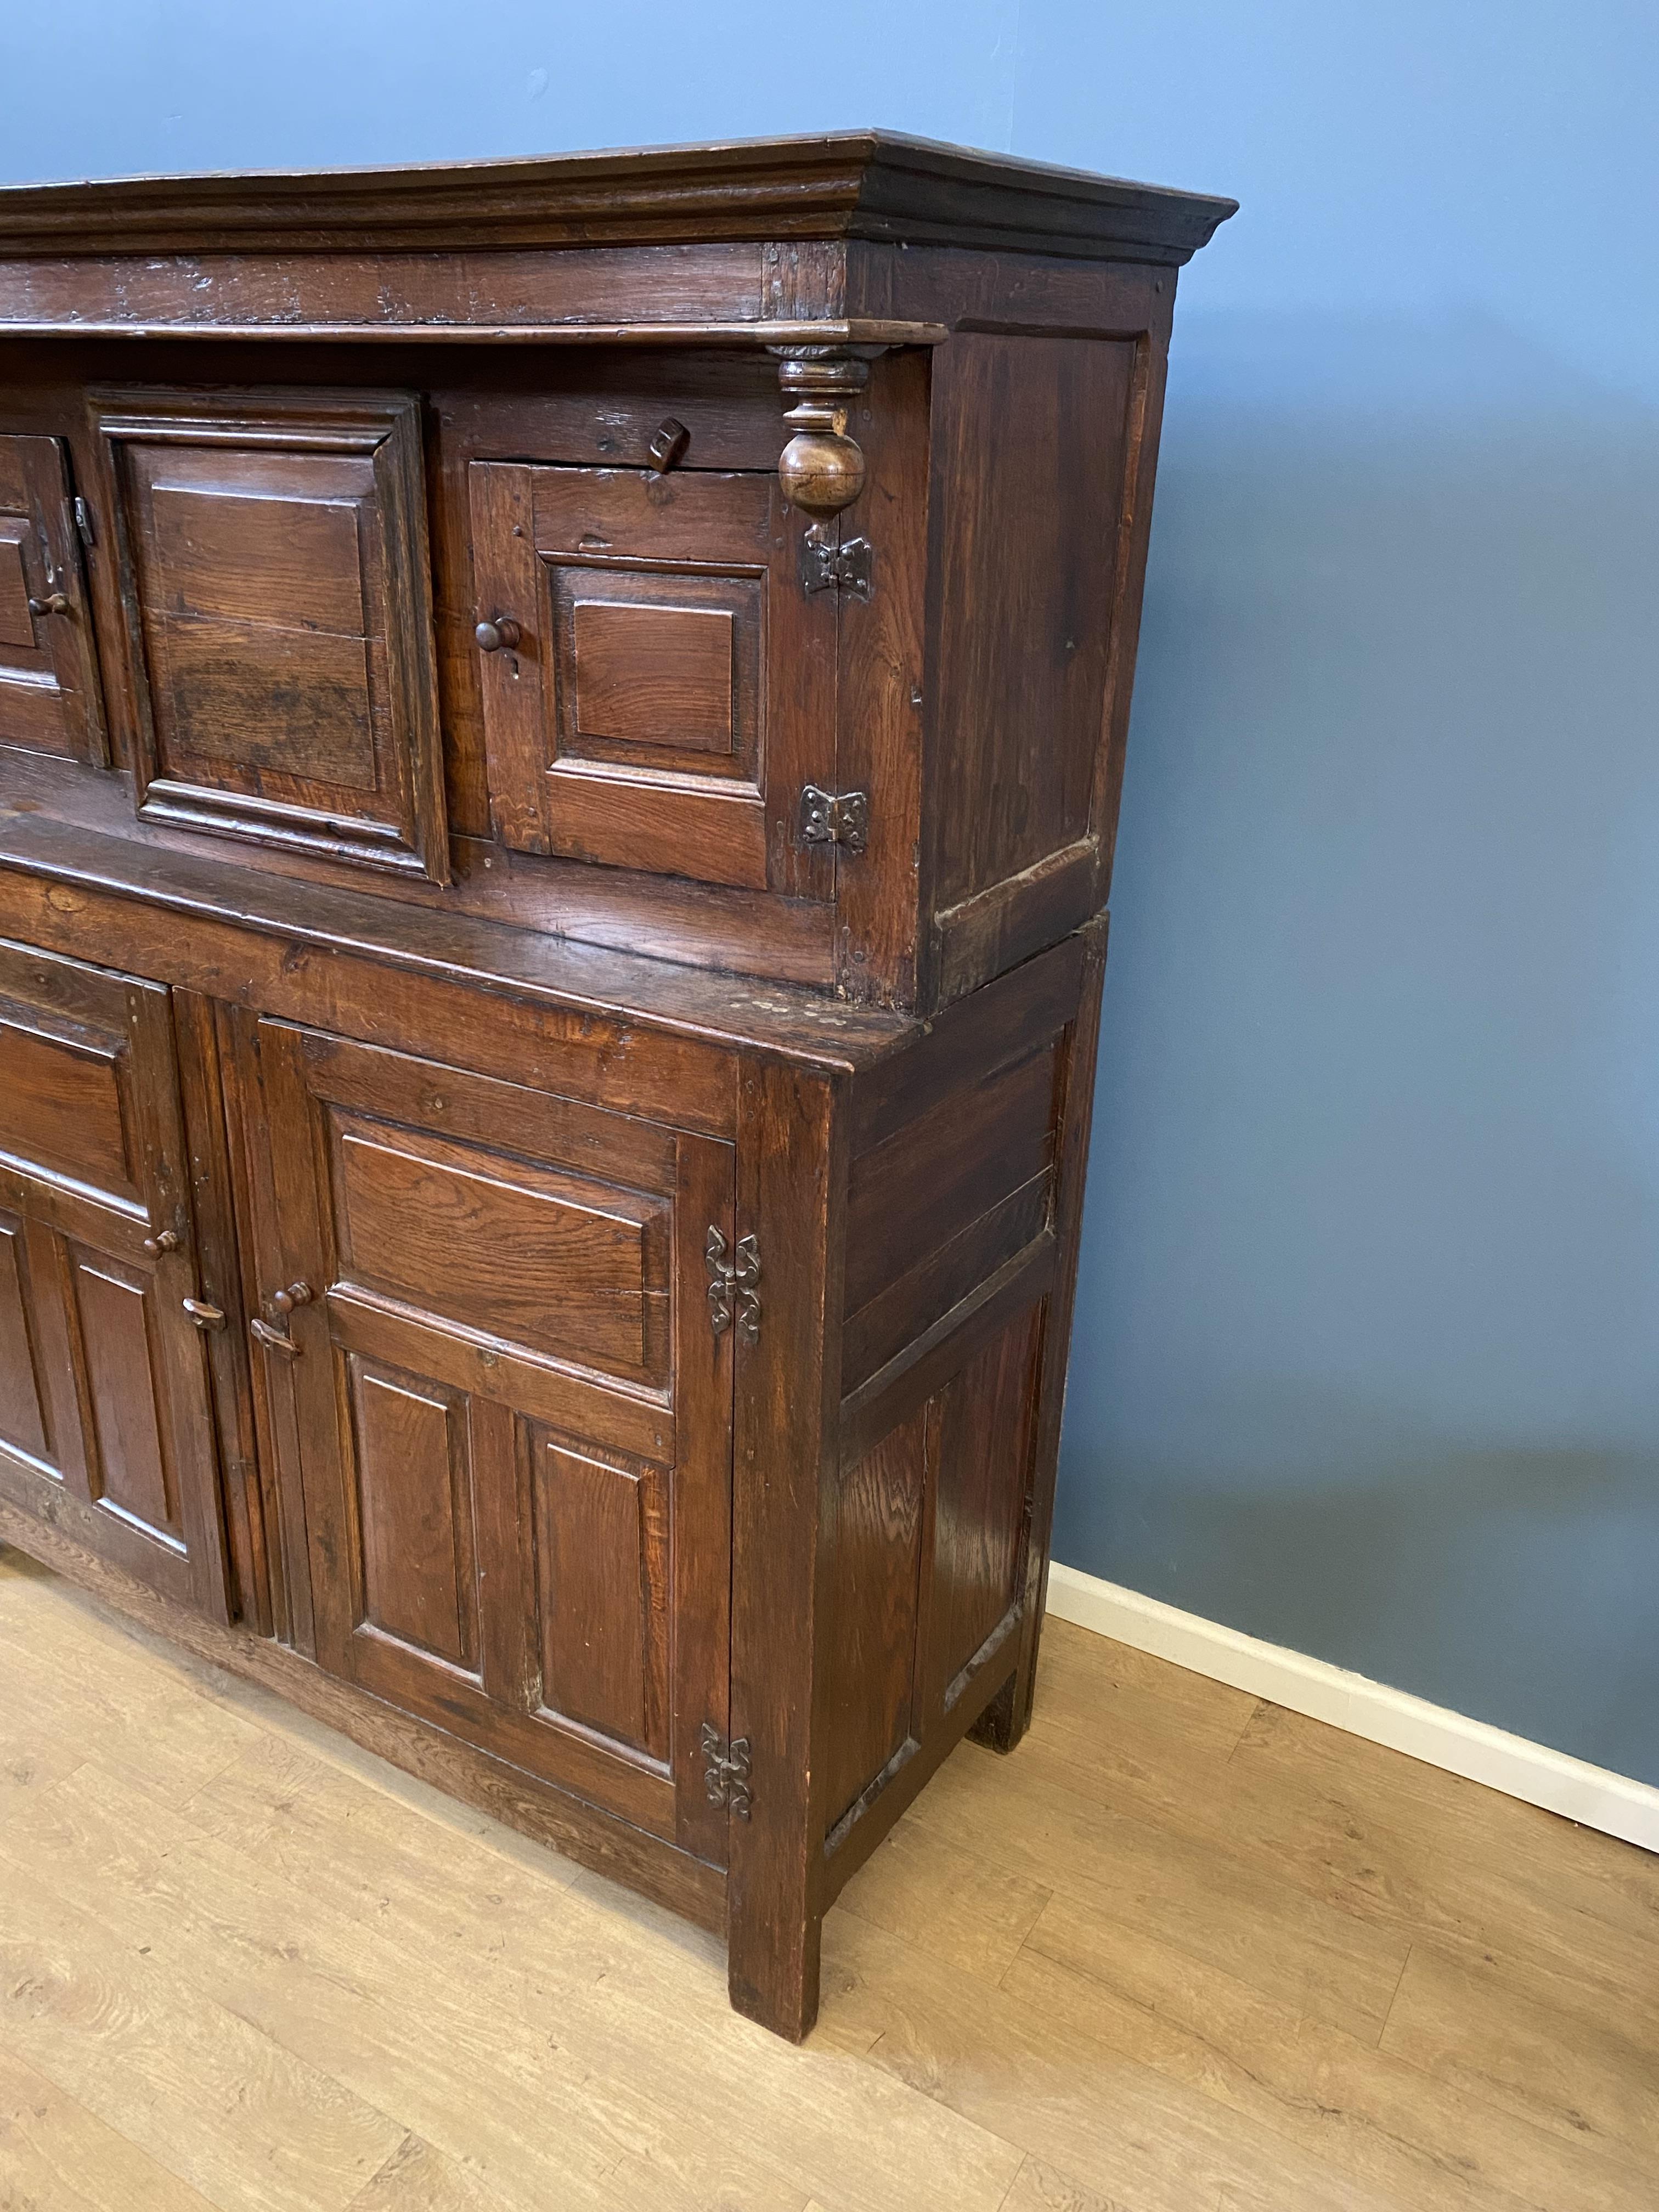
[[501, 1414], [106, 1421]]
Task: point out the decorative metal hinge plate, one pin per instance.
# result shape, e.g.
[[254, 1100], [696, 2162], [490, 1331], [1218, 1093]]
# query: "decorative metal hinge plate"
[[731, 1292], [726, 1770], [826, 567], [835, 817]]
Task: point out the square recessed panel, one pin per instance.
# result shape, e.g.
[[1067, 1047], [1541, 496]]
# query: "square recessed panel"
[[654, 675]]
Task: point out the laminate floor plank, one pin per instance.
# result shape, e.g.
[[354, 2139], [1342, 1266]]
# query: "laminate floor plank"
[[977, 1914], [196, 2087], [1040, 2187], [1395, 2133], [1116, 2121], [57, 2155], [545, 2042], [1183, 1952], [1187, 1888], [1450, 1872], [1590, 2075]]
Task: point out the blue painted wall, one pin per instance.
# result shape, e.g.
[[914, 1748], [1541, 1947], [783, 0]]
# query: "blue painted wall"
[[1367, 1352]]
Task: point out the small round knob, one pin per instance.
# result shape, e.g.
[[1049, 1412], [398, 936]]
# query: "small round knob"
[[167, 1240], [297, 1294], [493, 636], [53, 603]]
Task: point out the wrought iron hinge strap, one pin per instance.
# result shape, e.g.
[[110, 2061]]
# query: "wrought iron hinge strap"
[[726, 1770], [835, 817], [731, 1291]]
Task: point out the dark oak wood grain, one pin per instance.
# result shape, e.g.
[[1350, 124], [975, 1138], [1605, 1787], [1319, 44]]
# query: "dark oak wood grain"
[[866, 184], [561, 726]]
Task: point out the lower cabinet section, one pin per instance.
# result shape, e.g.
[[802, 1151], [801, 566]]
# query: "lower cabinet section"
[[681, 1494], [502, 1413], [106, 1423]]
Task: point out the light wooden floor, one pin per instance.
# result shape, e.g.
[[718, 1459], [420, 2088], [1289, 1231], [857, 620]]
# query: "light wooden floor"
[[1182, 1953]]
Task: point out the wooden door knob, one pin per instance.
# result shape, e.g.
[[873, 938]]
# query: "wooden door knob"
[[53, 603], [166, 1240], [493, 636], [297, 1294]]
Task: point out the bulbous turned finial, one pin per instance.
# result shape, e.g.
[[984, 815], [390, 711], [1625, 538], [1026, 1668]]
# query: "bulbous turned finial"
[[821, 469]]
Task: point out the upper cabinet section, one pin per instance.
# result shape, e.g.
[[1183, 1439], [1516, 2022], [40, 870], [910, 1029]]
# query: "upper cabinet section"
[[49, 700], [732, 553], [275, 582]]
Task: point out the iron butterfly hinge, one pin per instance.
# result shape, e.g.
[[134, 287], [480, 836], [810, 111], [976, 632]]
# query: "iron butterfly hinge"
[[726, 1770], [731, 1292], [827, 567], [835, 817]]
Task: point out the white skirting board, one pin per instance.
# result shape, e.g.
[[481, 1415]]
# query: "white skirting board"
[[1588, 1795]]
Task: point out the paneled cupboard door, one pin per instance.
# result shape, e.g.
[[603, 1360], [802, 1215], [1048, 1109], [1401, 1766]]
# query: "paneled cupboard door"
[[659, 685], [494, 1382], [105, 1412], [49, 694]]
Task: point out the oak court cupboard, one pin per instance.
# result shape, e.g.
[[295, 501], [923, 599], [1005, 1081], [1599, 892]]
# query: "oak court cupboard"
[[561, 724]]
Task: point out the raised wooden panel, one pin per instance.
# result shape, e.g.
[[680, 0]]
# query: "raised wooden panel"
[[652, 675], [16, 623], [104, 1390], [953, 1163], [671, 686], [131, 1469], [50, 700], [61, 1108], [415, 1511], [602, 1559], [296, 706], [23, 1419], [279, 609], [1031, 439], [980, 1486], [559, 1263], [874, 1538]]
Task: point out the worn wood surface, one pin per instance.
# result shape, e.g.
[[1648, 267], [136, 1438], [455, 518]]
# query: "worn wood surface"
[[1210, 1957], [868, 184], [501, 1224]]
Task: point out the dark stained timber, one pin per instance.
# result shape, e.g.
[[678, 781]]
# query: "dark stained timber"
[[561, 726]]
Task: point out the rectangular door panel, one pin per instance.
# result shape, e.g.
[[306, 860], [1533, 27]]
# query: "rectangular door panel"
[[275, 570], [511, 1419], [414, 1508], [49, 701], [555, 1263], [602, 1600], [114, 1332], [23, 1418], [61, 1108], [106, 1412]]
